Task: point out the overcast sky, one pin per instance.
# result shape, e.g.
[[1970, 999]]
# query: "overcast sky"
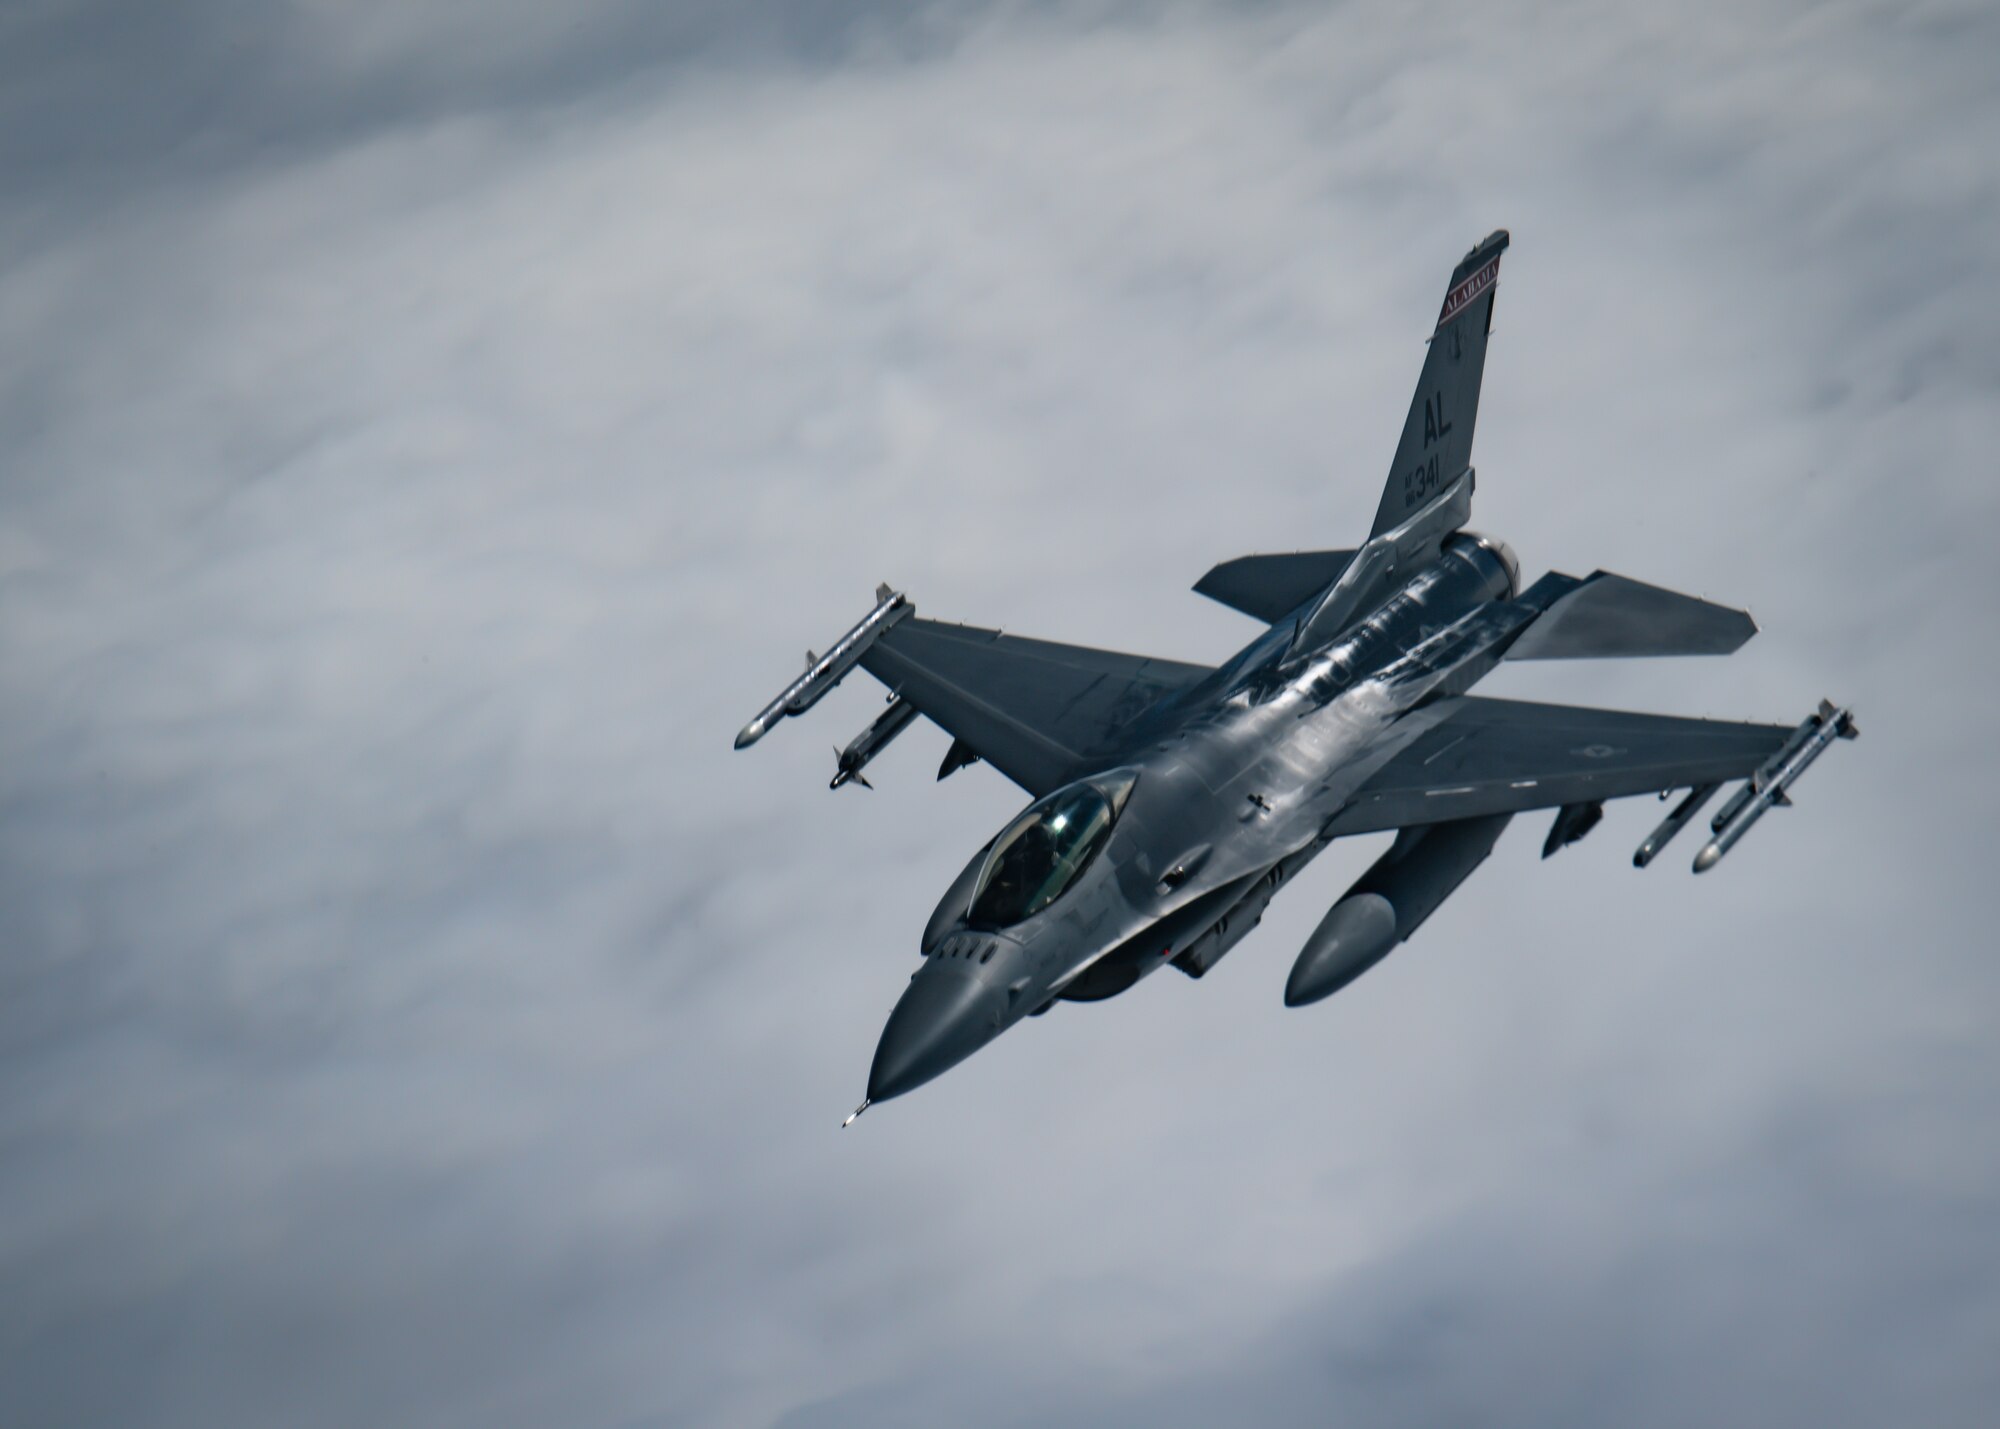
[[428, 430]]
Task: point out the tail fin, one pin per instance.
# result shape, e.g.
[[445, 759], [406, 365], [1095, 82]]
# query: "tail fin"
[[1437, 435]]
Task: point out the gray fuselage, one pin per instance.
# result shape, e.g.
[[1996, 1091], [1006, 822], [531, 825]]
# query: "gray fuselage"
[[1220, 795]]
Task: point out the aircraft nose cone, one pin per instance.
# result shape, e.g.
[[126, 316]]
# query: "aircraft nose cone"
[[945, 1015]]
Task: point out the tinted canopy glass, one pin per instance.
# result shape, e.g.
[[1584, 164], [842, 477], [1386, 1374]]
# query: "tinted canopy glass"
[[1040, 855]]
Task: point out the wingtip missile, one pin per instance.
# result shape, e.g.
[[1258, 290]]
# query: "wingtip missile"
[[823, 672], [1766, 789]]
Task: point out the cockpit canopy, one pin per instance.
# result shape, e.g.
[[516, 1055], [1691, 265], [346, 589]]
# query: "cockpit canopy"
[[1043, 852]]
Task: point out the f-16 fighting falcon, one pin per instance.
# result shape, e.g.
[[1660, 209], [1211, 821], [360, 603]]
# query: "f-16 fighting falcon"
[[1172, 801]]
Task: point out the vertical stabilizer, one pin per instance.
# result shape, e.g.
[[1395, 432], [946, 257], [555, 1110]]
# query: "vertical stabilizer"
[[1437, 435]]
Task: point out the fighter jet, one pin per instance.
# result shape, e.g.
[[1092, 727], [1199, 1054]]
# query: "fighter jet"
[[1172, 801]]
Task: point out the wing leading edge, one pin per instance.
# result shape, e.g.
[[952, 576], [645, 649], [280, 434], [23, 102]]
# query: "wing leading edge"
[[1487, 756]]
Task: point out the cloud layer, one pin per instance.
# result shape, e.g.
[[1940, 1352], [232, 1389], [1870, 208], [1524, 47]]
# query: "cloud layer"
[[429, 433]]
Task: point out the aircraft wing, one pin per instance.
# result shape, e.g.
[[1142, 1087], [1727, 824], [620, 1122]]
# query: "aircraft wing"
[[1033, 709], [1486, 756]]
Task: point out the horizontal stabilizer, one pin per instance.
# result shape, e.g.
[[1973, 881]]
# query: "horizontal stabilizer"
[[1272, 587], [1608, 616]]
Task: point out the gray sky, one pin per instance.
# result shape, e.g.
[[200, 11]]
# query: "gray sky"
[[427, 431]]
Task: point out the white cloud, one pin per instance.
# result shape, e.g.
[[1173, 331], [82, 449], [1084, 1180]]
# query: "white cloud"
[[413, 1013]]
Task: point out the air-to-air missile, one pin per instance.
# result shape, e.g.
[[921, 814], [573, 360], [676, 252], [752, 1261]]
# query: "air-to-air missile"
[[823, 672], [1682, 815], [1767, 786], [871, 742]]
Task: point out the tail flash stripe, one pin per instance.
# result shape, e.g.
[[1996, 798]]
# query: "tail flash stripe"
[[1455, 301]]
